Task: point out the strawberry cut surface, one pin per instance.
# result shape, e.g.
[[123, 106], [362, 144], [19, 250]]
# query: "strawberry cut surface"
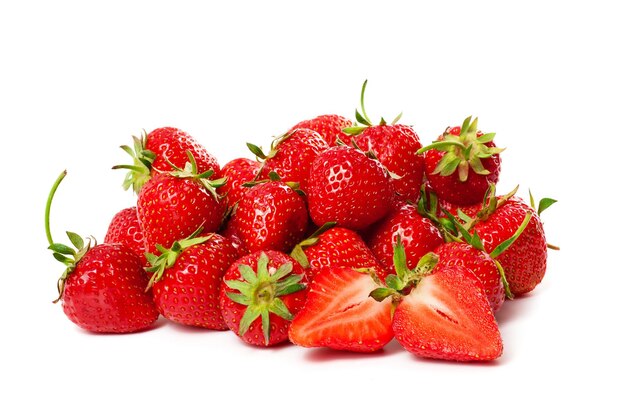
[[447, 316], [339, 313]]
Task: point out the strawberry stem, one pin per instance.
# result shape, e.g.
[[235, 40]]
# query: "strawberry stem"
[[56, 184]]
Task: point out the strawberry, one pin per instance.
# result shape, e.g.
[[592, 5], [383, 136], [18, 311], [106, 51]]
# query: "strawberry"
[[445, 314], [335, 247], [418, 234], [155, 152], [187, 277], [339, 314], [270, 216], [124, 229], [237, 171], [268, 285], [396, 146], [524, 261], [291, 156], [103, 287], [329, 126], [349, 188], [172, 206], [462, 163], [480, 263]]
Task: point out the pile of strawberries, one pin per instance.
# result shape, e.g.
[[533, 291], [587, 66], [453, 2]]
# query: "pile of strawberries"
[[343, 235]]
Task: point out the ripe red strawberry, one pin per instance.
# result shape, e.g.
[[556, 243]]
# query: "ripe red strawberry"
[[124, 229], [339, 314], [446, 314], [237, 171], [349, 188], [270, 216], [172, 206], [153, 151], [103, 287], [230, 232], [418, 235], [462, 163], [396, 146], [329, 126], [335, 247], [187, 278], [260, 294], [524, 261], [480, 263], [291, 156]]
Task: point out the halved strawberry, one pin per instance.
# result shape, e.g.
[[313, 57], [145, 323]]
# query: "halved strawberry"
[[447, 316], [339, 313]]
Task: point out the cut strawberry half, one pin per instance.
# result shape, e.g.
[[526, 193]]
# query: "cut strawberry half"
[[447, 316], [339, 313]]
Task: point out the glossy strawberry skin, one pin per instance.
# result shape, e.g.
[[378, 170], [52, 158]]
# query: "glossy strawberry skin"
[[188, 292], [125, 229], [233, 312], [447, 316], [171, 144], [349, 188], [329, 126], [450, 188], [106, 291], [271, 216], [170, 209], [418, 235], [396, 147], [238, 171], [524, 262], [294, 156], [479, 262], [340, 314], [341, 247]]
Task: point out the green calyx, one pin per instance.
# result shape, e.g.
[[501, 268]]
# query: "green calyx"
[[362, 117], [141, 170], [63, 253], [190, 171], [463, 152], [298, 253], [169, 256], [261, 293], [258, 152], [544, 204], [397, 284], [275, 177]]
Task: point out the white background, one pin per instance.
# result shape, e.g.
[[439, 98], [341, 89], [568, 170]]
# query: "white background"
[[77, 79]]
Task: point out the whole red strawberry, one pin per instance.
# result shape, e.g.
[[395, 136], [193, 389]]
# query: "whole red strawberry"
[[462, 163], [172, 206], [480, 263], [260, 294], [340, 314], [291, 156], [396, 146], [335, 247], [187, 278], [445, 314], [270, 216], [124, 228], [418, 235], [329, 126], [349, 188], [155, 152], [524, 261], [237, 171], [103, 287]]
